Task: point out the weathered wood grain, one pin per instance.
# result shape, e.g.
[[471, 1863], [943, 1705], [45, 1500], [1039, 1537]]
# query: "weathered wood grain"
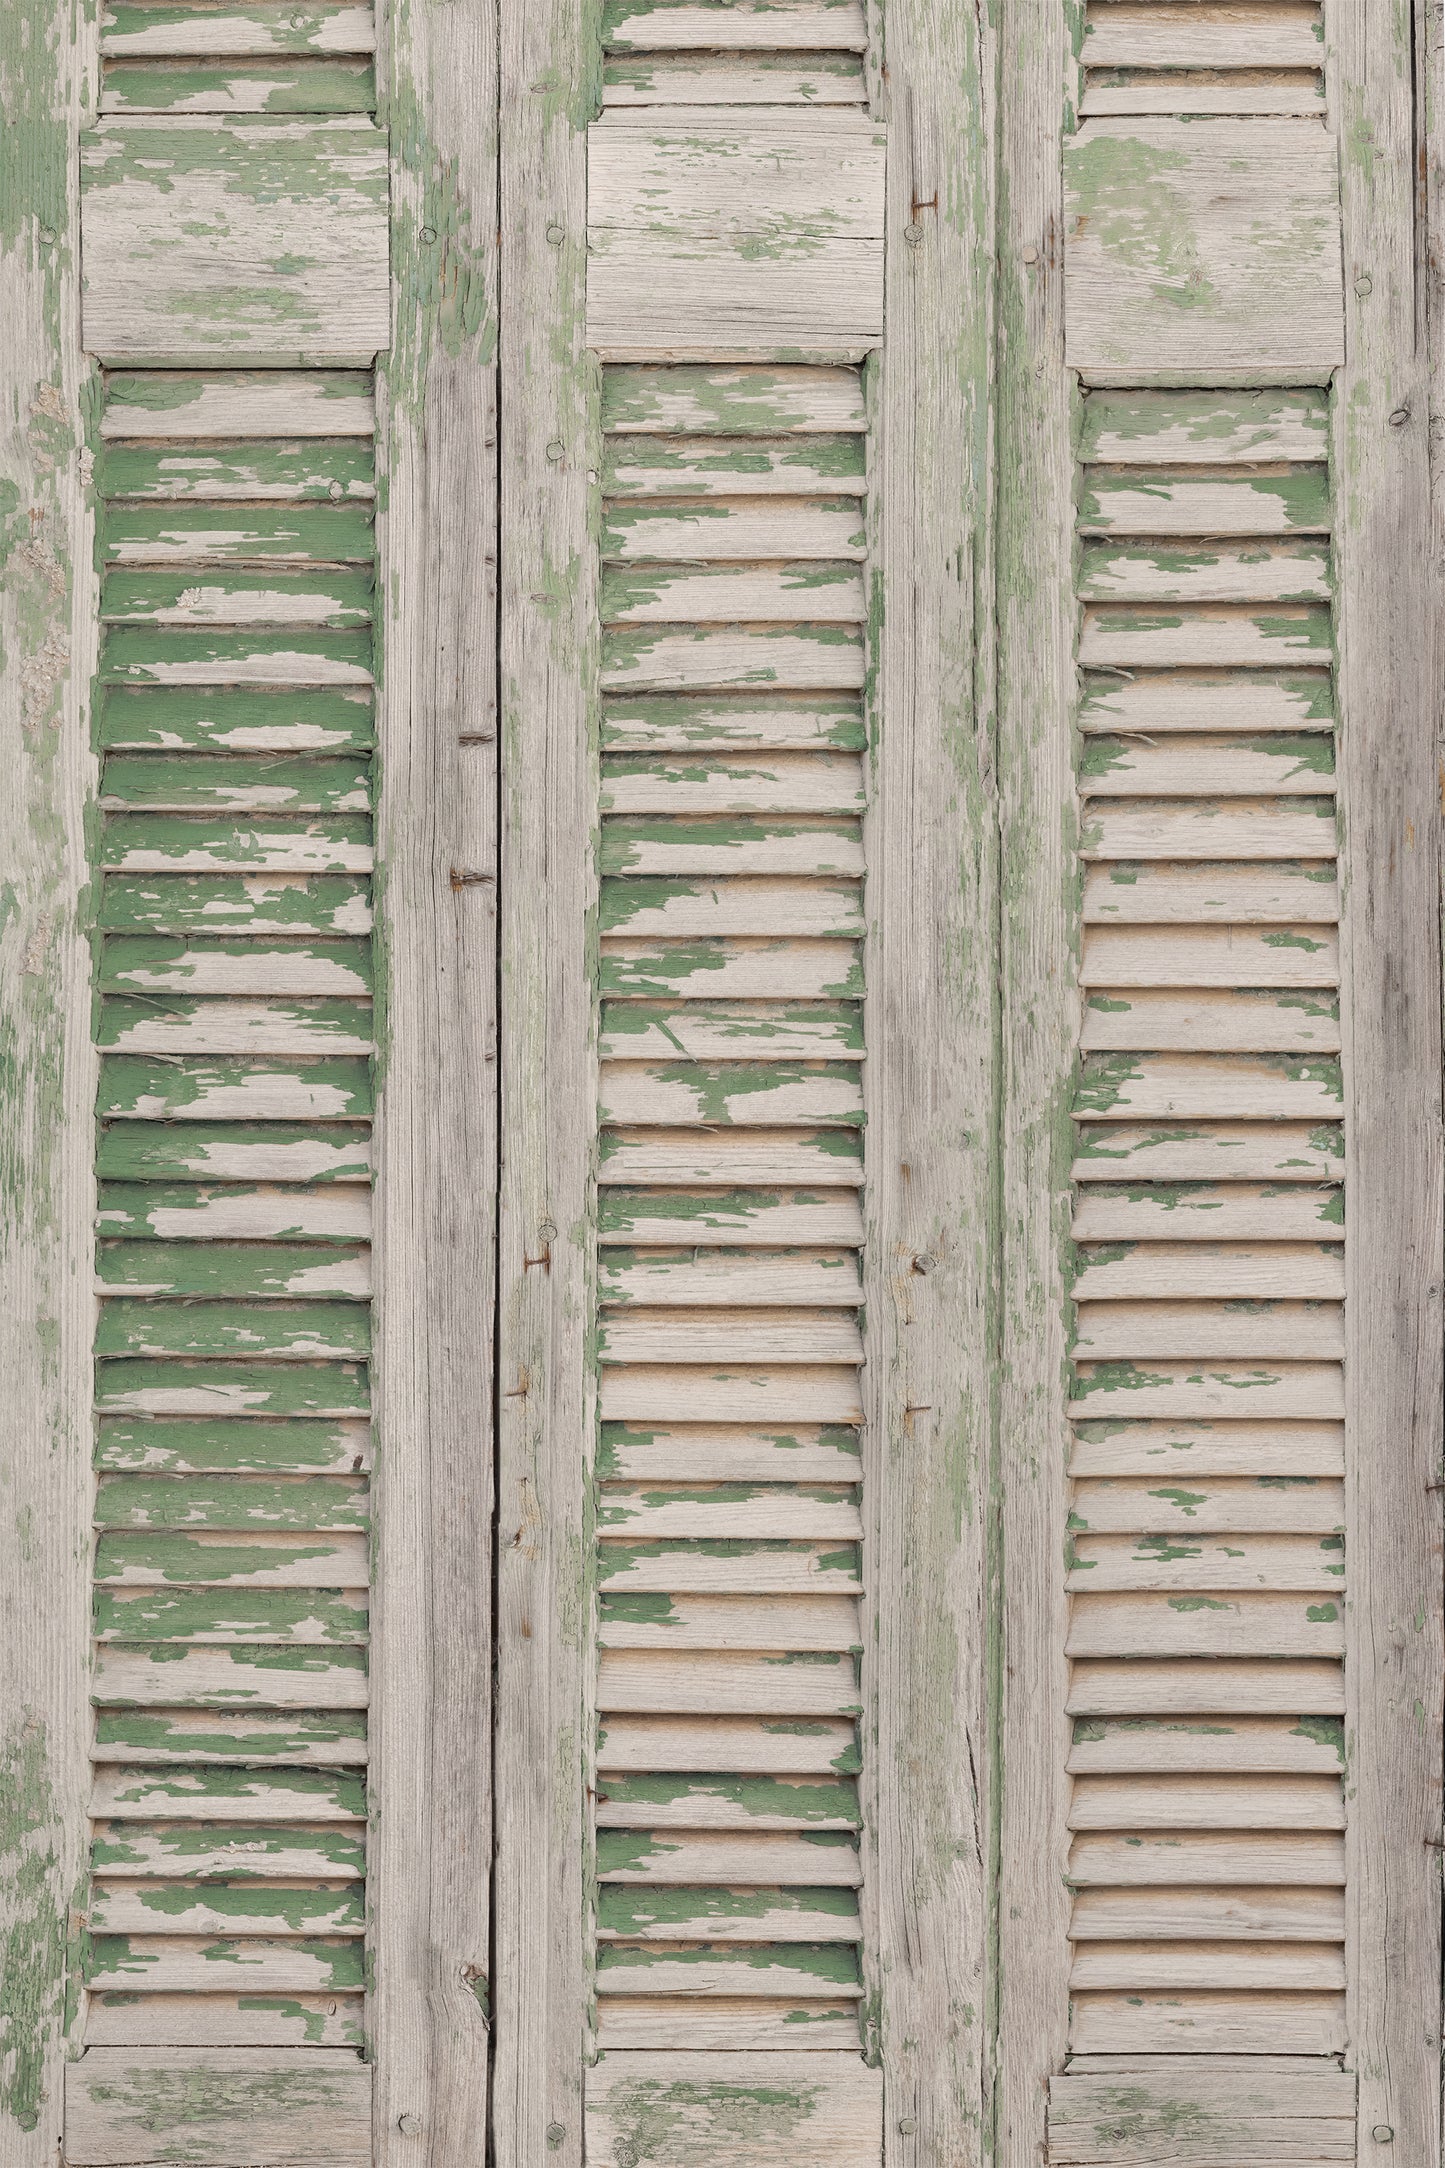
[[436, 1113], [47, 67], [1389, 619], [181, 214], [548, 1089], [750, 26], [1184, 262], [1039, 978], [931, 1085], [139, 2104], [735, 235], [764, 2110]]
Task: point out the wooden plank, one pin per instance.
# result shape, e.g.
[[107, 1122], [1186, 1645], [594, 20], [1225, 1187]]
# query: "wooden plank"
[[1273, 499], [548, 1089], [711, 79], [1216, 34], [732, 2025], [757, 970], [1254, 313], [1192, 700], [141, 28], [665, 399], [1196, 1858], [683, 659], [738, 25], [1302, 828], [161, 406], [928, 1381], [47, 65], [1240, 2022], [430, 1852], [1198, 1086], [1205, 1625], [810, 591], [255, 86], [738, 1859], [1235, 91], [151, 718], [225, 2021], [1214, 635], [757, 471], [1261, 1745], [1206, 1449], [1137, 427], [1389, 616], [138, 2103], [285, 471], [735, 235], [1142, 1686], [1038, 810], [735, 531], [1304, 1504], [814, 2108], [1213, 1151], [1236, 1271], [1157, 571], [1209, 956], [164, 227]]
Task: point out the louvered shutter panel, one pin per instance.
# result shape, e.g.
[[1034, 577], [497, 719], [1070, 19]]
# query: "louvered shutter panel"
[[1230, 352], [236, 348], [723, 1086]]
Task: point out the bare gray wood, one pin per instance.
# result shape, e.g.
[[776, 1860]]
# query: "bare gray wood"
[[1388, 602], [549, 1089], [430, 1851], [932, 1084], [47, 1083], [1039, 936]]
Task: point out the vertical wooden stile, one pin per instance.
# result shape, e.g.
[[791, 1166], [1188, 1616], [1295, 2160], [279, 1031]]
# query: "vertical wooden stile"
[[548, 1070], [1039, 976], [1388, 630], [931, 1096], [437, 1107], [47, 1077]]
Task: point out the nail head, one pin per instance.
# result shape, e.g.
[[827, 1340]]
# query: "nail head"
[[428, 234], [1382, 2134], [409, 2125], [556, 448], [556, 234], [913, 232]]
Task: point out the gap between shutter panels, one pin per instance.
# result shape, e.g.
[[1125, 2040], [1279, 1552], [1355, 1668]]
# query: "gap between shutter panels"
[[1206, 1566], [729, 1218], [234, 1021]]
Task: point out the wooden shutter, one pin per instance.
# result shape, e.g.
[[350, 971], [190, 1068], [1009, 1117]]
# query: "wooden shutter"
[[722, 1097], [1212, 1779]]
